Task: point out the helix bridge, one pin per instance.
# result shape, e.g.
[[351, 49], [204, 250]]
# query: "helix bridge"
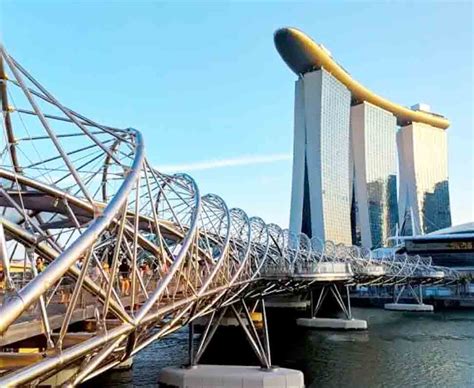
[[80, 199]]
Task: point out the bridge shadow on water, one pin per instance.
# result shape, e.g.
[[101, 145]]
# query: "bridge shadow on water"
[[399, 349]]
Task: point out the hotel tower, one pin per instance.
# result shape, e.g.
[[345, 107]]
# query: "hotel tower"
[[344, 185]]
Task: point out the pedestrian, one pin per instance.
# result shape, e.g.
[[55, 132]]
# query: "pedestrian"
[[124, 271], [2, 279], [80, 263], [106, 268], [40, 265], [95, 273]]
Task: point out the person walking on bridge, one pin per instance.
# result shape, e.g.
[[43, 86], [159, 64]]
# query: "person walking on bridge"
[[124, 270]]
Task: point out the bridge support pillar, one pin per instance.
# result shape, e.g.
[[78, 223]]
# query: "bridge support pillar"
[[124, 365], [195, 375], [349, 323], [418, 306], [245, 318]]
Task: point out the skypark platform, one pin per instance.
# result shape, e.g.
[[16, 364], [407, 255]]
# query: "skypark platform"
[[303, 55]]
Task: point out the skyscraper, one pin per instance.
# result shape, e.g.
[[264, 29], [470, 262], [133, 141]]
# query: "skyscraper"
[[373, 134], [344, 174], [423, 175], [320, 199]]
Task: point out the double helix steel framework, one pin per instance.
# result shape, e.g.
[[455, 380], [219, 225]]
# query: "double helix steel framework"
[[91, 232]]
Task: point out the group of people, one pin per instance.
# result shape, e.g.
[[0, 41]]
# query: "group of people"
[[124, 271], [95, 273]]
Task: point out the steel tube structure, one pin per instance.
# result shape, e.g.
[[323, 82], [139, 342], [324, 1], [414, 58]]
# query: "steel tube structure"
[[105, 242]]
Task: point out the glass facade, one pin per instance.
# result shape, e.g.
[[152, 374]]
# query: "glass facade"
[[344, 186], [321, 179], [335, 164], [424, 191], [436, 210], [373, 133]]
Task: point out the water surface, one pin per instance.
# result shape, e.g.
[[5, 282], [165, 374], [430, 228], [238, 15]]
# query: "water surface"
[[399, 350]]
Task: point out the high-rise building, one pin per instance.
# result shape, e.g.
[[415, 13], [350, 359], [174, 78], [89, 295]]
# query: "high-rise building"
[[373, 134], [320, 199], [344, 180], [423, 175]]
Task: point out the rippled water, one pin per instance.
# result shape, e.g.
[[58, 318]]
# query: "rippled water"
[[399, 349]]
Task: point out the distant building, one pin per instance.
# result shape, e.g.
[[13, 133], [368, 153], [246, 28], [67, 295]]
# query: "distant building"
[[373, 133], [450, 247], [320, 199], [344, 161], [423, 175]]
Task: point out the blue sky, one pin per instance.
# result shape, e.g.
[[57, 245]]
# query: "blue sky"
[[205, 85]]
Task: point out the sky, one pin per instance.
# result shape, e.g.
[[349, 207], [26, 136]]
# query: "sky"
[[206, 87]]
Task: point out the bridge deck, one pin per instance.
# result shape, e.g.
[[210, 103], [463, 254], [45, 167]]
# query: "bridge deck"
[[30, 325], [34, 327]]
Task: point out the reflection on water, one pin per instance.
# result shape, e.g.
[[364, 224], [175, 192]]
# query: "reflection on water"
[[399, 349], [172, 350]]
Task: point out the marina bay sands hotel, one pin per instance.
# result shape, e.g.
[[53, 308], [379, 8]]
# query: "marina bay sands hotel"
[[345, 170]]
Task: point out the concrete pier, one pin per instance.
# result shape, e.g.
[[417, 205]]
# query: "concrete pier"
[[414, 307], [208, 376], [332, 323], [124, 365]]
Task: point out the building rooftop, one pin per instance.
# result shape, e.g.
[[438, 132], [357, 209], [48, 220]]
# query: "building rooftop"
[[457, 229], [303, 55]]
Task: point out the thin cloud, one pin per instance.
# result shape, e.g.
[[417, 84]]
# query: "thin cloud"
[[223, 163]]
